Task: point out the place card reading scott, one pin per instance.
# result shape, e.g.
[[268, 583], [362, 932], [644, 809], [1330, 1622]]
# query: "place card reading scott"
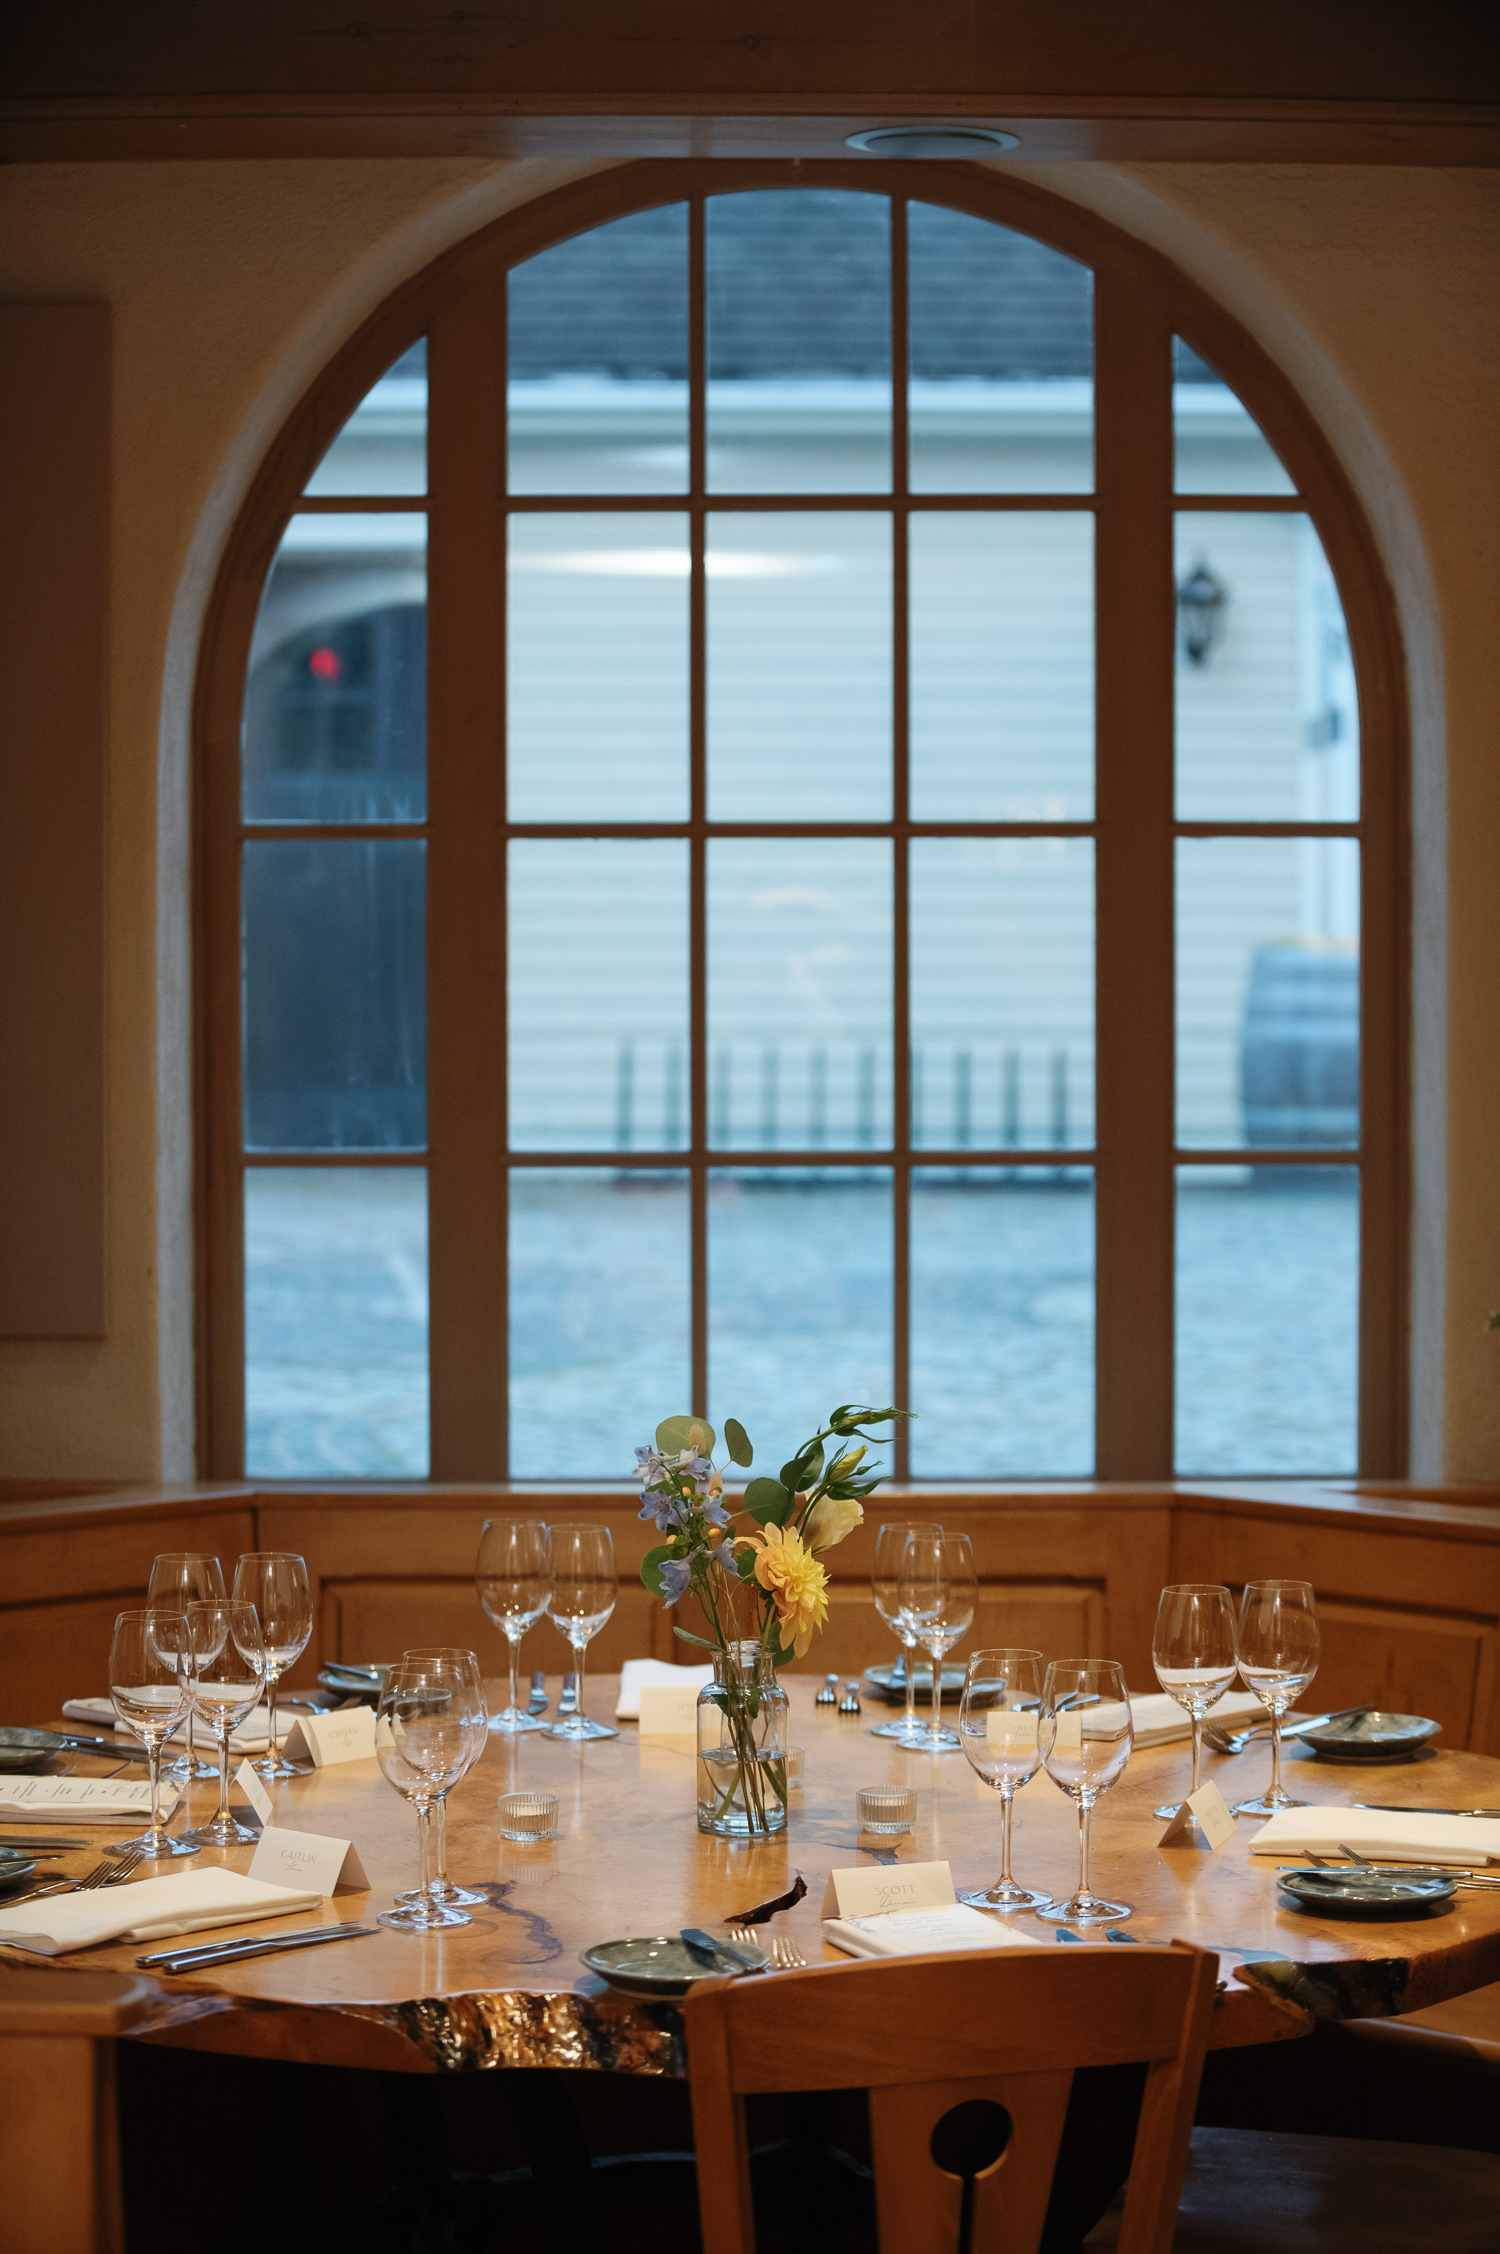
[[348, 1735], [306, 1860], [669, 1710], [1205, 1811], [872, 1892], [254, 1791]]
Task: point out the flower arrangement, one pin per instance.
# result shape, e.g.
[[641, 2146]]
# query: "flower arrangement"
[[762, 1588]]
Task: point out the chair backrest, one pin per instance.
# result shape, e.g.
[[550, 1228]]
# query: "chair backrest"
[[999, 2032]]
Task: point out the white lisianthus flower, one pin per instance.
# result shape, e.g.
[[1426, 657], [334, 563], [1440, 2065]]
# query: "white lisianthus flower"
[[829, 1521]]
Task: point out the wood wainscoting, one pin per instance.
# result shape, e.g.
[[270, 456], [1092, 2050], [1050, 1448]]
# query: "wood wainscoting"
[[1408, 1583]]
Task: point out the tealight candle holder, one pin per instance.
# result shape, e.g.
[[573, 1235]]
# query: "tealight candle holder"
[[886, 1807], [527, 1815]]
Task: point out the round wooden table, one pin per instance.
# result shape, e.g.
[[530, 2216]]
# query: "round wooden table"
[[509, 1989]]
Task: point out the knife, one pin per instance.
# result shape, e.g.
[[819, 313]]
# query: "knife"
[[1402, 1808], [704, 1945], [42, 1840], [538, 1701], [568, 1703], [117, 1749], [226, 1952]]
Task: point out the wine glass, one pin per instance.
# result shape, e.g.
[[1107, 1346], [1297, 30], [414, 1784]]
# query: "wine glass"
[[1279, 1647], [890, 1543], [275, 1582], [1194, 1655], [513, 1575], [1086, 1739], [426, 1726], [466, 1663], [937, 1590], [226, 1673], [180, 1578], [997, 1727], [583, 1597], [148, 1682]]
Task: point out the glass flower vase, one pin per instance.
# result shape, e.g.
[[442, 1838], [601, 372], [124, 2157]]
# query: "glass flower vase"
[[742, 1746]]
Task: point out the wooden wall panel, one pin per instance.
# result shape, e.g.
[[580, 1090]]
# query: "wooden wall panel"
[[49, 1652], [378, 1620], [1406, 1660]]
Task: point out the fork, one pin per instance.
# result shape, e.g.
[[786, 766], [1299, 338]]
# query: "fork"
[[785, 1955], [108, 1873]]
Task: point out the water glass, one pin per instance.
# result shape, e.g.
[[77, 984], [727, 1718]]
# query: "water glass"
[[513, 1576], [583, 1597], [467, 1663], [275, 1582], [997, 1727], [148, 1683], [527, 1816], [426, 1727], [937, 1591], [1086, 1738], [885, 1581], [1193, 1652], [885, 1808], [226, 1673], [1279, 1647], [180, 1578]]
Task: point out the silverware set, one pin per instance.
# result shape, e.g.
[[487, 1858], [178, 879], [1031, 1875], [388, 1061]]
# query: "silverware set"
[[230, 1952], [786, 1956], [108, 1873], [1235, 1741]]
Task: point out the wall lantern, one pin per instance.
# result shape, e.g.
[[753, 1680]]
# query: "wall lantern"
[[1201, 600]]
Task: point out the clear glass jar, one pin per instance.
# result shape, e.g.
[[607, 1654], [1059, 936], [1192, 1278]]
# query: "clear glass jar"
[[742, 1746]]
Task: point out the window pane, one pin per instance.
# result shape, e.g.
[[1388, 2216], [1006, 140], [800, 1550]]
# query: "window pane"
[[598, 340], [1002, 360], [336, 697], [1267, 712], [799, 667], [335, 999], [598, 994], [1267, 992], [1002, 667], [799, 993], [799, 1301], [1267, 1319], [597, 672], [336, 1322], [799, 342], [599, 1333], [1002, 1325], [383, 446], [1002, 993], [1220, 446]]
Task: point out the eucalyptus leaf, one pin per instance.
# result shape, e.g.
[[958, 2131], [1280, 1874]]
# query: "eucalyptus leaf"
[[768, 1502], [737, 1441], [689, 1638], [674, 1434]]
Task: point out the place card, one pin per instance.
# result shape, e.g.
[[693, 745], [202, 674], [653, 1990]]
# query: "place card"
[[870, 1893], [1204, 1811], [307, 1861], [254, 1791], [327, 1738], [669, 1709]]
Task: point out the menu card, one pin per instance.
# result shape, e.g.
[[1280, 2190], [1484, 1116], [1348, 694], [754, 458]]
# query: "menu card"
[[81, 1800], [922, 1933]]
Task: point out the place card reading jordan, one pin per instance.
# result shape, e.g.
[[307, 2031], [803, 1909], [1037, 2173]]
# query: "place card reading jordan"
[[1205, 1811], [327, 1738], [871, 1893], [306, 1860]]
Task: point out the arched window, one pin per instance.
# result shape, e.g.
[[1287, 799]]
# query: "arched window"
[[784, 816]]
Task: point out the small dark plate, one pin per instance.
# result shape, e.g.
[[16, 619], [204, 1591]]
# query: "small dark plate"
[[1368, 1734], [1387, 1888], [15, 1867], [658, 1965], [890, 1682], [355, 1682], [24, 1752]]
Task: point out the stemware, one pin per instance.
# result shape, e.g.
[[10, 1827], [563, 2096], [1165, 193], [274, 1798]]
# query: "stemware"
[[1193, 1652], [275, 1582], [226, 1673], [466, 1663], [180, 1578], [885, 1581], [1086, 1739], [426, 1730], [583, 1597], [513, 1576], [1279, 1647], [997, 1727], [937, 1591], [148, 1683]]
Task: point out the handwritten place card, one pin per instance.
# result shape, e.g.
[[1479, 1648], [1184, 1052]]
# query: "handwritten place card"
[[326, 1738], [306, 1860], [669, 1710], [254, 1791], [1204, 1811], [870, 1893]]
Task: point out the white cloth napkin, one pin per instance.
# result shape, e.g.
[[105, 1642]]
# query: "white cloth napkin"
[[148, 1909], [1159, 1720], [638, 1671], [252, 1736], [1384, 1836], [81, 1800]]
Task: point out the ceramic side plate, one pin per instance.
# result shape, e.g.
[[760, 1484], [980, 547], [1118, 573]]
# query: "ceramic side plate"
[[1368, 1734], [890, 1682], [660, 1964], [24, 1750], [15, 1867], [1355, 1893]]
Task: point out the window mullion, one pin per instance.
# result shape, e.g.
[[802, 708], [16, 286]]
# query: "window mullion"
[[900, 847], [698, 808]]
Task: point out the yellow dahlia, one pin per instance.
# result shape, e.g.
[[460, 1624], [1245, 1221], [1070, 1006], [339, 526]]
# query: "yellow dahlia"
[[797, 1584]]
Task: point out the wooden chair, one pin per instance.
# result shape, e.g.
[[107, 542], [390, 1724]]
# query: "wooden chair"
[[59, 2150], [998, 2034]]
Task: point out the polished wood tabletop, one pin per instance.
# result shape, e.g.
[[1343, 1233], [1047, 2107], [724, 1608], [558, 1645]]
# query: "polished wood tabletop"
[[510, 1988]]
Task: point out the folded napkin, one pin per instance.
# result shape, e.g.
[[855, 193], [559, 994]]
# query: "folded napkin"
[[1159, 1720], [252, 1736], [638, 1671], [922, 1933], [148, 1909], [1384, 1836], [80, 1800]]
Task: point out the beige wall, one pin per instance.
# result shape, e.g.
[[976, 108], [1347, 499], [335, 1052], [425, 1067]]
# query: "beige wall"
[[232, 282]]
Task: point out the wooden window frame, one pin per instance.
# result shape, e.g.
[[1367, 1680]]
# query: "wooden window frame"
[[1140, 301]]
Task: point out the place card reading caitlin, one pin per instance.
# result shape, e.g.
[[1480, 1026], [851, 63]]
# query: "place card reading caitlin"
[[254, 1791], [306, 1860], [348, 1735], [1204, 1811], [669, 1710], [870, 1893]]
